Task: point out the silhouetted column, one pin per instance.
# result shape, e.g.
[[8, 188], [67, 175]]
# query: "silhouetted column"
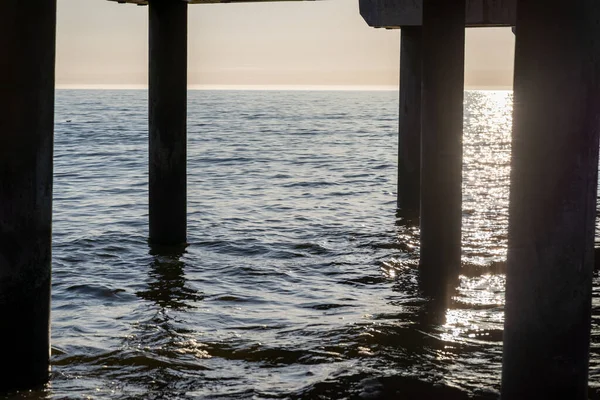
[[27, 47], [552, 200], [441, 139], [409, 138], [167, 120]]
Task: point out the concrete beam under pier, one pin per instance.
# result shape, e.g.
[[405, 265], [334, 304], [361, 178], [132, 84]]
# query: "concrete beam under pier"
[[145, 2], [552, 200], [27, 49], [395, 14]]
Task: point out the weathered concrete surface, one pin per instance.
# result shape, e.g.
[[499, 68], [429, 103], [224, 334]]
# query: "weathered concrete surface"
[[441, 142], [399, 13], [550, 261], [27, 48], [168, 121], [409, 124]]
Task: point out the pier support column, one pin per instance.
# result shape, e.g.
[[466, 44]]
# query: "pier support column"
[[441, 140], [27, 48], [167, 121], [552, 200], [409, 130]]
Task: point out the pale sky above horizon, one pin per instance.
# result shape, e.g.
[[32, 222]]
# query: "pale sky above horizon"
[[296, 43]]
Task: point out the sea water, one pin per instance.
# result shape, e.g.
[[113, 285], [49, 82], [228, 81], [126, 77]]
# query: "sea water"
[[299, 281]]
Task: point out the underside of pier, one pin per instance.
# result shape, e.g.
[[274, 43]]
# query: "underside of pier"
[[145, 2], [394, 14]]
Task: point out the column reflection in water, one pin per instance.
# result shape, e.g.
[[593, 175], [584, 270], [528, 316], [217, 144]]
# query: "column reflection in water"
[[171, 353], [435, 291], [167, 285], [445, 326]]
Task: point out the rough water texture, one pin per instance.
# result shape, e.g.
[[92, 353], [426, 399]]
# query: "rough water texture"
[[299, 280]]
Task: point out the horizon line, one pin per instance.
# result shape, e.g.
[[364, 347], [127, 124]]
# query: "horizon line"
[[78, 86]]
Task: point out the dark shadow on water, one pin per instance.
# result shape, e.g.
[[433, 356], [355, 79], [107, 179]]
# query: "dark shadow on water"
[[432, 314], [43, 393], [407, 218], [167, 286], [364, 387], [164, 356], [439, 288], [175, 251]]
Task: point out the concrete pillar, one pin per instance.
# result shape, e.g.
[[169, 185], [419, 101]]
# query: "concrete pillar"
[[441, 140], [409, 132], [27, 47], [552, 200], [167, 120]]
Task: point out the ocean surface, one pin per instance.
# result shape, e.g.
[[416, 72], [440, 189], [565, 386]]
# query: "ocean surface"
[[299, 281]]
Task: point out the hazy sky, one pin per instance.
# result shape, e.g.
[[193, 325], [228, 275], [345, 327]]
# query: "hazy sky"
[[296, 43]]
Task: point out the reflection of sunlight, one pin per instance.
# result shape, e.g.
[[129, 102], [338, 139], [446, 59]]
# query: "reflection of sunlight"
[[486, 170], [457, 324], [501, 99], [485, 290], [476, 313], [388, 270], [442, 355], [193, 348], [394, 267]]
